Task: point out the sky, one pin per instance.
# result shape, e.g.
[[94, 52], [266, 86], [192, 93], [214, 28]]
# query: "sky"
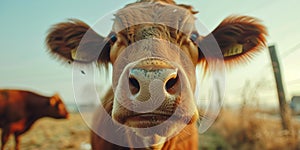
[[26, 64]]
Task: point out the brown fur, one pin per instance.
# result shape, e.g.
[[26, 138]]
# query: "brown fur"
[[243, 30], [234, 30]]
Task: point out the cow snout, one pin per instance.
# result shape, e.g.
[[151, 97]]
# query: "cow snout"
[[151, 92], [153, 78], [142, 81]]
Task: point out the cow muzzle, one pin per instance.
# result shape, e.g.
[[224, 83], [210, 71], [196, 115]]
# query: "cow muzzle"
[[149, 92]]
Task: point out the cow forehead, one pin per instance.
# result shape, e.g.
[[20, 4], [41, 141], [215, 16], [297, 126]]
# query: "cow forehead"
[[134, 16]]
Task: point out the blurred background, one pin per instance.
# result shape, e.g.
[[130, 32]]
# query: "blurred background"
[[250, 88]]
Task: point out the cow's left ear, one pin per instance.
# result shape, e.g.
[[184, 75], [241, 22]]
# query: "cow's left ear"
[[76, 41], [54, 99], [239, 37]]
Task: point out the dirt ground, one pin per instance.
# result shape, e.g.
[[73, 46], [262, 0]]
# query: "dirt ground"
[[54, 134]]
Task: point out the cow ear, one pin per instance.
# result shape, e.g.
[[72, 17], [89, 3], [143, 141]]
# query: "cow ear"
[[53, 101], [238, 37], [65, 39]]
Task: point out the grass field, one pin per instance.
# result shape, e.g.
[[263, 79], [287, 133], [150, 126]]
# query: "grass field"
[[232, 131], [250, 129], [73, 134], [53, 134]]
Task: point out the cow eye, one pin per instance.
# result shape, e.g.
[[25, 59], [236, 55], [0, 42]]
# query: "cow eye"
[[194, 36], [113, 37]]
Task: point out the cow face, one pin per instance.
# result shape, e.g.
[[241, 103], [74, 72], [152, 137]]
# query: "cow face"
[[57, 108], [154, 49]]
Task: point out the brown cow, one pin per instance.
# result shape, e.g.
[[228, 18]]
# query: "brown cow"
[[154, 48], [20, 109]]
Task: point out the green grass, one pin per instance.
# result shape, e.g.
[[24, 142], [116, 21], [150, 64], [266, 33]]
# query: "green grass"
[[212, 140]]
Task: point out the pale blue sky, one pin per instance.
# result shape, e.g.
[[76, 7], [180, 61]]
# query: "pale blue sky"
[[24, 62]]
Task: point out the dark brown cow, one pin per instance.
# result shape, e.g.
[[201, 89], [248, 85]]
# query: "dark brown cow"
[[154, 48], [20, 109]]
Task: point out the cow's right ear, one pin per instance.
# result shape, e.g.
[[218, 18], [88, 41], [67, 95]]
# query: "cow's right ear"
[[238, 37], [66, 39], [53, 100]]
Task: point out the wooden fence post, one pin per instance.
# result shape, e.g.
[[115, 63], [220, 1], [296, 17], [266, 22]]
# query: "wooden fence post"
[[284, 111]]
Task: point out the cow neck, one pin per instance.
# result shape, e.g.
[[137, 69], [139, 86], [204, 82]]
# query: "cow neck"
[[37, 105]]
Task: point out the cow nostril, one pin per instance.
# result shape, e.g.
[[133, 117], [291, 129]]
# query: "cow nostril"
[[134, 85], [170, 85]]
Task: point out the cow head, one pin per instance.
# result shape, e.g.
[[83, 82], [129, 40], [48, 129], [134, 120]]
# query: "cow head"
[[154, 49], [56, 108]]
